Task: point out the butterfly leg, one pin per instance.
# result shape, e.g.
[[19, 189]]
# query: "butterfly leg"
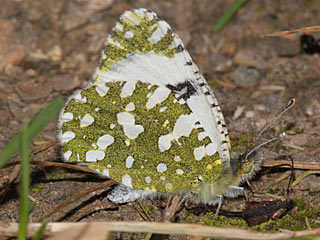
[[234, 191], [218, 209]]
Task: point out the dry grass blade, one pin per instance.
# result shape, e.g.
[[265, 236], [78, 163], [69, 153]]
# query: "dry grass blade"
[[93, 207], [55, 164], [13, 176], [142, 212], [15, 173], [173, 206], [42, 147], [77, 196], [299, 30], [303, 175], [288, 164], [10, 230]]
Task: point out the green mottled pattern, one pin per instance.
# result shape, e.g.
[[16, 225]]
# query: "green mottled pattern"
[[144, 149], [138, 43]]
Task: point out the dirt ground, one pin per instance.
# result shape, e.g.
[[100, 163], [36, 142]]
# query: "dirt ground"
[[50, 48]]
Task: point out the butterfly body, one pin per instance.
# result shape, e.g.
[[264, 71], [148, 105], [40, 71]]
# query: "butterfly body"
[[149, 119]]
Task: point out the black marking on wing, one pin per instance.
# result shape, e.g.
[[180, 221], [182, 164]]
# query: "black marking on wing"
[[180, 48], [184, 89]]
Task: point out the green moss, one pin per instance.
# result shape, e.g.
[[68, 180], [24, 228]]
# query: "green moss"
[[273, 190], [294, 220], [190, 218], [231, 221], [208, 219], [56, 174], [298, 130], [37, 188], [213, 83], [268, 226], [240, 143]]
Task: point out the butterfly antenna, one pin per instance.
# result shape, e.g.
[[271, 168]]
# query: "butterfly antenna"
[[266, 142], [289, 105]]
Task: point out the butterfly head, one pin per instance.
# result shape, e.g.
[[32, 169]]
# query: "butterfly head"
[[249, 165]]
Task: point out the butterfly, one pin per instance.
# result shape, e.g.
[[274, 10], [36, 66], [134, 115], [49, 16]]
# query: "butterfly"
[[149, 120]]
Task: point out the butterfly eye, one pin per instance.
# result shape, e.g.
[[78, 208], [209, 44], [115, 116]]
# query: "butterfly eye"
[[247, 166]]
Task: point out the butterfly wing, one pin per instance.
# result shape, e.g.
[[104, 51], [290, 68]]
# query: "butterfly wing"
[[148, 119]]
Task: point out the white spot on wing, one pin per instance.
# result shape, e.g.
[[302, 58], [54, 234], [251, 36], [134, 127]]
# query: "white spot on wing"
[[129, 162], [119, 27], [133, 131], [199, 152], [112, 42], [164, 142], [67, 117], [128, 34], [105, 141], [94, 155], [158, 34], [130, 129], [158, 96], [211, 149], [105, 172], [126, 180], [148, 179], [161, 167], [182, 101], [130, 18], [130, 107], [202, 135], [179, 171], [78, 97], [87, 120], [182, 127], [102, 89], [150, 15], [163, 109], [67, 136], [67, 155], [128, 89]]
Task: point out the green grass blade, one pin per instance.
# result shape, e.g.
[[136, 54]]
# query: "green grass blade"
[[24, 184], [42, 119], [226, 17], [40, 230]]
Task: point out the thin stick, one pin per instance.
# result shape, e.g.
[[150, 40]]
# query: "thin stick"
[[97, 206], [77, 196], [10, 230], [55, 164], [288, 164]]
